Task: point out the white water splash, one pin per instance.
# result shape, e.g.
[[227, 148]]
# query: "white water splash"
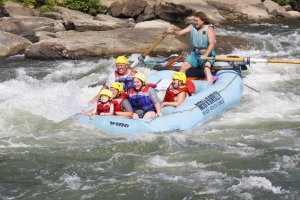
[[254, 182]]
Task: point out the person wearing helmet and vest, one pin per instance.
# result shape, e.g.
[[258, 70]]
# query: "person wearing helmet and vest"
[[177, 90], [120, 100], [104, 105], [122, 74], [143, 98], [203, 39]]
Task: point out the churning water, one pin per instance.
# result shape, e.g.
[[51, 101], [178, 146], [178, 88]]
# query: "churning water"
[[250, 152]]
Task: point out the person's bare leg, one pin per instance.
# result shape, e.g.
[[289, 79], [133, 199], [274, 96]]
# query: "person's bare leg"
[[185, 66], [207, 72], [135, 116], [149, 114]]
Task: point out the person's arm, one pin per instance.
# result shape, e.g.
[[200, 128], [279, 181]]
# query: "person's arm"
[[180, 98], [128, 109], [211, 41], [181, 31]]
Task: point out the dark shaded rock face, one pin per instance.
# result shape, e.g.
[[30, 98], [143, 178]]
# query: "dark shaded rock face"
[[172, 12], [296, 5], [128, 8], [3, 12]]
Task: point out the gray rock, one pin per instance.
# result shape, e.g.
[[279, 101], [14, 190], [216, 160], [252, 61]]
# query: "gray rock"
[[27, 26], [52, 15], [275, 9], [12, 9], [76, 45], [128, 8], [11, 44]]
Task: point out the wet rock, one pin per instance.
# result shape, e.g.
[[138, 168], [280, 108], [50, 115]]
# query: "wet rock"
[[27, 26], [11, 44]]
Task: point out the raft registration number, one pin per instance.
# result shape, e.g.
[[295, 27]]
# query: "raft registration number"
[[210, 102]]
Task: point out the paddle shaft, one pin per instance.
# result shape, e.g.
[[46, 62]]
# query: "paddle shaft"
[[255, 60], [154, 44], [147, 51], [175, 68]]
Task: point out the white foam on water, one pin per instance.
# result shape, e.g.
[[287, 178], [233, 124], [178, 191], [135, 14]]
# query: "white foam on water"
[[162, 162], [51, 97], [72, 181], [286, 162], [255, 182]]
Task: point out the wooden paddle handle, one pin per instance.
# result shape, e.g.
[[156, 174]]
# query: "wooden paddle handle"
[[154, 44], [254, 60]]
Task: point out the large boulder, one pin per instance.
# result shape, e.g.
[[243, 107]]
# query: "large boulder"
[[27, 26], [68, 16], [176, 10], [76, 45], [241, 9], [275, 9], [128, 8], [11, 44], [294, 14], [159, 24], [95, 25], [11, 9], [120, 22]]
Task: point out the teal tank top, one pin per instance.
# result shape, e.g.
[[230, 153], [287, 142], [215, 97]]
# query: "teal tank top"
[[199, 39]]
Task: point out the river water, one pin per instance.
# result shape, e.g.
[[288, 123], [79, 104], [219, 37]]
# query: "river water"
[[250, 152]]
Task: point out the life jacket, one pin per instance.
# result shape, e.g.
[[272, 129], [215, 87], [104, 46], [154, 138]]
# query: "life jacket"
[[118, 102], [103, 108], [140, 100], [127, 80], [171, 92], [199, 38]]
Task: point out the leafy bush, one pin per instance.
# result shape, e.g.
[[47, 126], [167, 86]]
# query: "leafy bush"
[[92, 7], [48, 3], [284, 2], [25, 2]]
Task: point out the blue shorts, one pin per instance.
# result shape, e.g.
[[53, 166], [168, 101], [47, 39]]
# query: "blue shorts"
[[194, 59]]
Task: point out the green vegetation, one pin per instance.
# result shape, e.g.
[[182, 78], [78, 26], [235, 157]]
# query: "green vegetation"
[[92, 7], [283, 2]]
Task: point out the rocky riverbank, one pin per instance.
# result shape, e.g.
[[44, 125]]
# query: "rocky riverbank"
[[130, 26]]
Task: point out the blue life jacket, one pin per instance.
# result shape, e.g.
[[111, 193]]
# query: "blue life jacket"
[[127, 82], [199, 38], [141, 100]]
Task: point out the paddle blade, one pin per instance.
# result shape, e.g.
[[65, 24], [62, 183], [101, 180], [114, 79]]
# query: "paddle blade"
[[135, 63]]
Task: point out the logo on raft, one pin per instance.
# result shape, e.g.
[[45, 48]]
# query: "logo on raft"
[[119, 124], [210, 102]]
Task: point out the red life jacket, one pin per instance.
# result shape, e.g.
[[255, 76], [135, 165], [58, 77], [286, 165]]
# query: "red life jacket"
[[118, 102], [171, 92], [131, 73], [103, 108]]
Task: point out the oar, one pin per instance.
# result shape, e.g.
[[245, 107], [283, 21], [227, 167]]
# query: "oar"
[[147, 51], [177, 68], [254, 60]]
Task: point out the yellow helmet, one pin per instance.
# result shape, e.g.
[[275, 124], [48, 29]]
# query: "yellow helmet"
[[121, 59], [106, 92], [179, 76], [140, 76], [118, 86]]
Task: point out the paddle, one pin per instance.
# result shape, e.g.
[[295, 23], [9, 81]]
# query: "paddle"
[[147, 51], [254, 60]]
